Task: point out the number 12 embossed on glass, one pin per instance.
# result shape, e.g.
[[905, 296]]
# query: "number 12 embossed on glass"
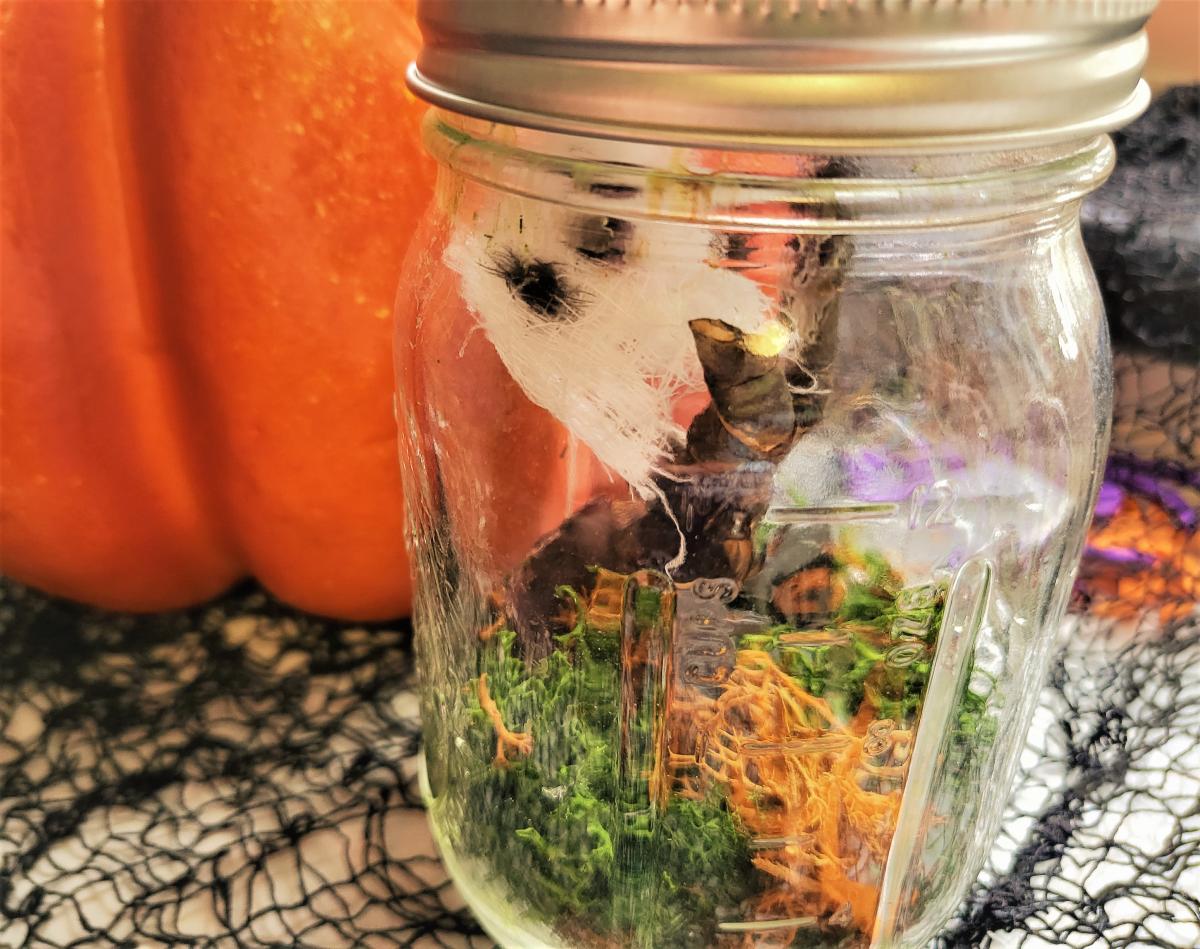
[[752, 385]]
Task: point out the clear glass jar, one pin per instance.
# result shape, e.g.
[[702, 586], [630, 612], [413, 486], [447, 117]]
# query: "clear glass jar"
[[745, 495]]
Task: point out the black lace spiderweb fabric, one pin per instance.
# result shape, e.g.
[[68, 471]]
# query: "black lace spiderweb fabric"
[[234, 775], [241, 775], [1101, 842]]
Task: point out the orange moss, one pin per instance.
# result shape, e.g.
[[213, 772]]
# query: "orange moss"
[[519, 742], [819, 796]]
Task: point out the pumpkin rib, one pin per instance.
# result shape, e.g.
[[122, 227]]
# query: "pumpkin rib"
[[96, 498], [280, 228], [179, 384]]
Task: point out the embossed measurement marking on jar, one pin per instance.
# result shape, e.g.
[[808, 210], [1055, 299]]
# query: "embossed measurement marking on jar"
[[931, 505], [801, 746], [879, 736], [764, 925], [904, 654], [836, 513], [805, 640], [707, 628]]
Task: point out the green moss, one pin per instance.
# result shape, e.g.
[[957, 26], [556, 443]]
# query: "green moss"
[[572, 835], [559, 826]]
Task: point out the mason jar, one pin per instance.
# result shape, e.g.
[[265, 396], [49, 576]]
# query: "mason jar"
[[752, 388]]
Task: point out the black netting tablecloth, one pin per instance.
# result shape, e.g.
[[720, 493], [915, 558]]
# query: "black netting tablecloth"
[[238, 775], [243, 775], [235, 775]]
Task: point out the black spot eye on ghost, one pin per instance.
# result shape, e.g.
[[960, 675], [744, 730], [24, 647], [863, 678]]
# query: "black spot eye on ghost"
[[733, 246], [602, 238], [539, 284]]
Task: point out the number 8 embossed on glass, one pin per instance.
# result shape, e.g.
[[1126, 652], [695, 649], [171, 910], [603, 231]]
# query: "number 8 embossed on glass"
[[752, 385]]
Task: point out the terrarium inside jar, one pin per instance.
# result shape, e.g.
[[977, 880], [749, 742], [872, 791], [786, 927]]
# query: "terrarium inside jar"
[[745, 487]]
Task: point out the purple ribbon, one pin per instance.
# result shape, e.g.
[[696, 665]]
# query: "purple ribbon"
[[1149, 479]]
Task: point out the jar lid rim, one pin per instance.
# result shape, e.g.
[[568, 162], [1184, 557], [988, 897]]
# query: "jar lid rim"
[[815, 75]]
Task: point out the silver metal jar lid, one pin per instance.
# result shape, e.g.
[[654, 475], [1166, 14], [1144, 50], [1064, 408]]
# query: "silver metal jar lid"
[[842, 75]]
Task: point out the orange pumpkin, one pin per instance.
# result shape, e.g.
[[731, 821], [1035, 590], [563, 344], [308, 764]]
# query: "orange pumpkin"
[[205, 207]]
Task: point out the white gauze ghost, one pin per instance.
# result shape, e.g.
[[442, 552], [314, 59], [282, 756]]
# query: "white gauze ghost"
[[612, 358]]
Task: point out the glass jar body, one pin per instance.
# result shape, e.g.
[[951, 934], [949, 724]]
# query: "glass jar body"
[[744, 497]]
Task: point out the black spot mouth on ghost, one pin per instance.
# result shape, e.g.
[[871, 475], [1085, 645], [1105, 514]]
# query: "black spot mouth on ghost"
[[539, 284]]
